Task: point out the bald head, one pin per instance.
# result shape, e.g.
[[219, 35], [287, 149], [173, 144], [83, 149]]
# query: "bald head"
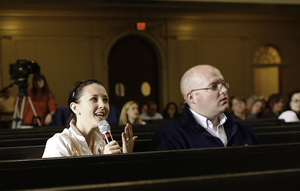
[[194, 76]]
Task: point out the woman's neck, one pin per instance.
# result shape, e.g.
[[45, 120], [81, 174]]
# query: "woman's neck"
[[87, 133], [132, 121]]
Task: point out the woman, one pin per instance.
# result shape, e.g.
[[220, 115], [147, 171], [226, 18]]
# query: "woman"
[[238, 106], [274, 106], [88, 102], [42, 100], [256, 109], [292, 114], [130, 114], [171, 111]]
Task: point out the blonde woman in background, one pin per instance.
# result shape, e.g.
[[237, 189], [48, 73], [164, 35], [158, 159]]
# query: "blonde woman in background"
[[130, 114]]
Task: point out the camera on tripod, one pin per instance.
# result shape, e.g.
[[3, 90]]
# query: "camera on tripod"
[[20, 71]]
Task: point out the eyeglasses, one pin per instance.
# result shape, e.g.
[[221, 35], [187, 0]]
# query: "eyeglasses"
[[295, 100], [214, 87]]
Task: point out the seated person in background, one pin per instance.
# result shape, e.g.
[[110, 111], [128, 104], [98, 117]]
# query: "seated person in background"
[[151, 113], [257, 109], [203, 122], [144, 108], [274, 106], [88, 102], [292, 114], [237, 105], [170, 111], [42, 100], [6, 110], [130, 114], [249, 102]]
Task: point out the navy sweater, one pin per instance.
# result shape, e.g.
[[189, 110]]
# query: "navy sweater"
[[185, 133]]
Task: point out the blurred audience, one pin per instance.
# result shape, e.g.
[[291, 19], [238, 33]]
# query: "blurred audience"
[[151, 113], [274, 106], [249, 102], [237, 105], [292, 113], [130, 114], [171, 111], [257, 109], [144, 108]]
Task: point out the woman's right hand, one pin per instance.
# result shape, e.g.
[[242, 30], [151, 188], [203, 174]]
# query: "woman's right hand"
[[112, 147]]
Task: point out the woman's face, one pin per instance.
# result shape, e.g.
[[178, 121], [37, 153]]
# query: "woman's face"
[[40, 84], [93, 106], [295, 102], [238, 106], [171, 110], [257, 107], [133, 111], [278, 106]]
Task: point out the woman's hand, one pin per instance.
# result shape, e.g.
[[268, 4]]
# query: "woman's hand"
[[48, 119], [112, 147], [128, 139]]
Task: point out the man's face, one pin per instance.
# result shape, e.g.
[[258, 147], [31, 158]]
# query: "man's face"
[[152, 109], [209, 103]]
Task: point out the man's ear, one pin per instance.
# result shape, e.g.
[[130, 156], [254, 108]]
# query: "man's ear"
[[190, 98]]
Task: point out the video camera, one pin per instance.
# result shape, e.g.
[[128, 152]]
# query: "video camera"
[[20, 71]]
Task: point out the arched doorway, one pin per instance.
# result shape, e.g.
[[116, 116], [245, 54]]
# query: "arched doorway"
[[266, 70], [133, 72]]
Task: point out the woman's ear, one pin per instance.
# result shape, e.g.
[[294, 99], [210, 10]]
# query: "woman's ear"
[[74, 108]]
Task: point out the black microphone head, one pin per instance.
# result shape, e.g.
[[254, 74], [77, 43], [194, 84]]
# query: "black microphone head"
[[104, 127]]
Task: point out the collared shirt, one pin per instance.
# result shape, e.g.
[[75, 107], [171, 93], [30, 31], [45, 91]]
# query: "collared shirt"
[[72, 143], [216, 131]]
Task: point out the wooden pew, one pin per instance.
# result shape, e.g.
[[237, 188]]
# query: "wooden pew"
[[36, 151], [287, 179], [34, 148], [265, 138], [277, 128], [262, 122], [87, 170], [21, 152]]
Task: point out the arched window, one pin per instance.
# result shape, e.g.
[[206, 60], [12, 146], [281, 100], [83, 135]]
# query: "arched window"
[[266, 70]]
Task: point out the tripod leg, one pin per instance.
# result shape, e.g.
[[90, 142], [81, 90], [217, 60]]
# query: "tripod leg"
[[34, 112], [16, 119]]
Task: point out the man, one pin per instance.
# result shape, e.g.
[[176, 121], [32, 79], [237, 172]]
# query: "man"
[[203, 122], [151, 113]]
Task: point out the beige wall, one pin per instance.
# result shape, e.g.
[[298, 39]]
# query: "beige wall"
[[74, 45]]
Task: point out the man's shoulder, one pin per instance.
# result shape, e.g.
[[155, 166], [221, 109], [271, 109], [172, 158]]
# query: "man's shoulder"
[[175, 125]]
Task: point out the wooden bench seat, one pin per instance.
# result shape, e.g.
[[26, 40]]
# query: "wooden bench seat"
[[86, 170]]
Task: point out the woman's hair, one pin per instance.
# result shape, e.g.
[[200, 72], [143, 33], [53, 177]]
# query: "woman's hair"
[[35, 79], [75, 94], [123, 120], [165, 113], [274, 98]]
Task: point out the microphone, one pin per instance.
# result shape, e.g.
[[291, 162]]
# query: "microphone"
[[105, 131]]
